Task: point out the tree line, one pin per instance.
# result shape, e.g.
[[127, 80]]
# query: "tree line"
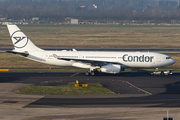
[[58, 10]]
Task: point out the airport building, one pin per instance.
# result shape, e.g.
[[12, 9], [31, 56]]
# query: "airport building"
[[74, 21]]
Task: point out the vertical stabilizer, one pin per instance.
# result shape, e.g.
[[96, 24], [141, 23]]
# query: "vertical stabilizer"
[[20, 41]]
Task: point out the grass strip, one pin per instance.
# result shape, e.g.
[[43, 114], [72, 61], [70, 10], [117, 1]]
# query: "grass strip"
[[48, 70], [132, 37], [93, 88]]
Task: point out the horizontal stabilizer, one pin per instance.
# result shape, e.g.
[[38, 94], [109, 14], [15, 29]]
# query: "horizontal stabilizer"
[[25, 54], [74, 49], [55, 56]]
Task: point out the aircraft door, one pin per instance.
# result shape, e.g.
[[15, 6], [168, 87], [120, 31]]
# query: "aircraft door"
[[80, 57]]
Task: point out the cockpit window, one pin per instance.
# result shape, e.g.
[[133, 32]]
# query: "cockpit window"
[[168, 57]]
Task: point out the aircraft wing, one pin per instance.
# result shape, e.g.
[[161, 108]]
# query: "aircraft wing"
[[92, 62]]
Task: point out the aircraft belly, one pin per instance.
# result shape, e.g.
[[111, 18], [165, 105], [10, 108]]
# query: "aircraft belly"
[[59, 62], [140, 65]]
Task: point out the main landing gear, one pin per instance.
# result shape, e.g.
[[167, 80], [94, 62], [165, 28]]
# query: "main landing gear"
[[93, 73]]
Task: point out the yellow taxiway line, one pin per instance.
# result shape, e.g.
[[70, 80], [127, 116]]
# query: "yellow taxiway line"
[[74, 74]]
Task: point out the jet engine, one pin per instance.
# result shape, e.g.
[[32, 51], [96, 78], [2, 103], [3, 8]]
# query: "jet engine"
[[111, 68]]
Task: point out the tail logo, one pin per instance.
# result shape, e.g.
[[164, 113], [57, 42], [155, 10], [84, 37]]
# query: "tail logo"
[[19, 39]]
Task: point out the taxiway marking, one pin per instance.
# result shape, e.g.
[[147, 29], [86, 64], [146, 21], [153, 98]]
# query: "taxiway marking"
[[134, 86], [74, 74], [138, 88]]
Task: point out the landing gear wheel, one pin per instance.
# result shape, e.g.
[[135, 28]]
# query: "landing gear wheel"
[[92, 73], [87, 73]]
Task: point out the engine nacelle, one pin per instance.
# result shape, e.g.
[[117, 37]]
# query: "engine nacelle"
[[111, 68]]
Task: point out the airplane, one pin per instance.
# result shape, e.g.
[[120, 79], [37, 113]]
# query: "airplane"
[[95, 61]]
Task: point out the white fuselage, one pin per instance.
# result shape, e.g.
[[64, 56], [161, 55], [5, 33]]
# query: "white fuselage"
[[125, 59]]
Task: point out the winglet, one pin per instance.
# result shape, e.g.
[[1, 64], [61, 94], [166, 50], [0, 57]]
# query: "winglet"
[[55, 56], [74, 49]]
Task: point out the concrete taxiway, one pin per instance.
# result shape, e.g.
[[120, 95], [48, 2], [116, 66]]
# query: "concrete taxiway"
[[139, 96]]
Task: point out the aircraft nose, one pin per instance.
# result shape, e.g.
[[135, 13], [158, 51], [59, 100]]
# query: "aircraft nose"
[[173, 61]]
